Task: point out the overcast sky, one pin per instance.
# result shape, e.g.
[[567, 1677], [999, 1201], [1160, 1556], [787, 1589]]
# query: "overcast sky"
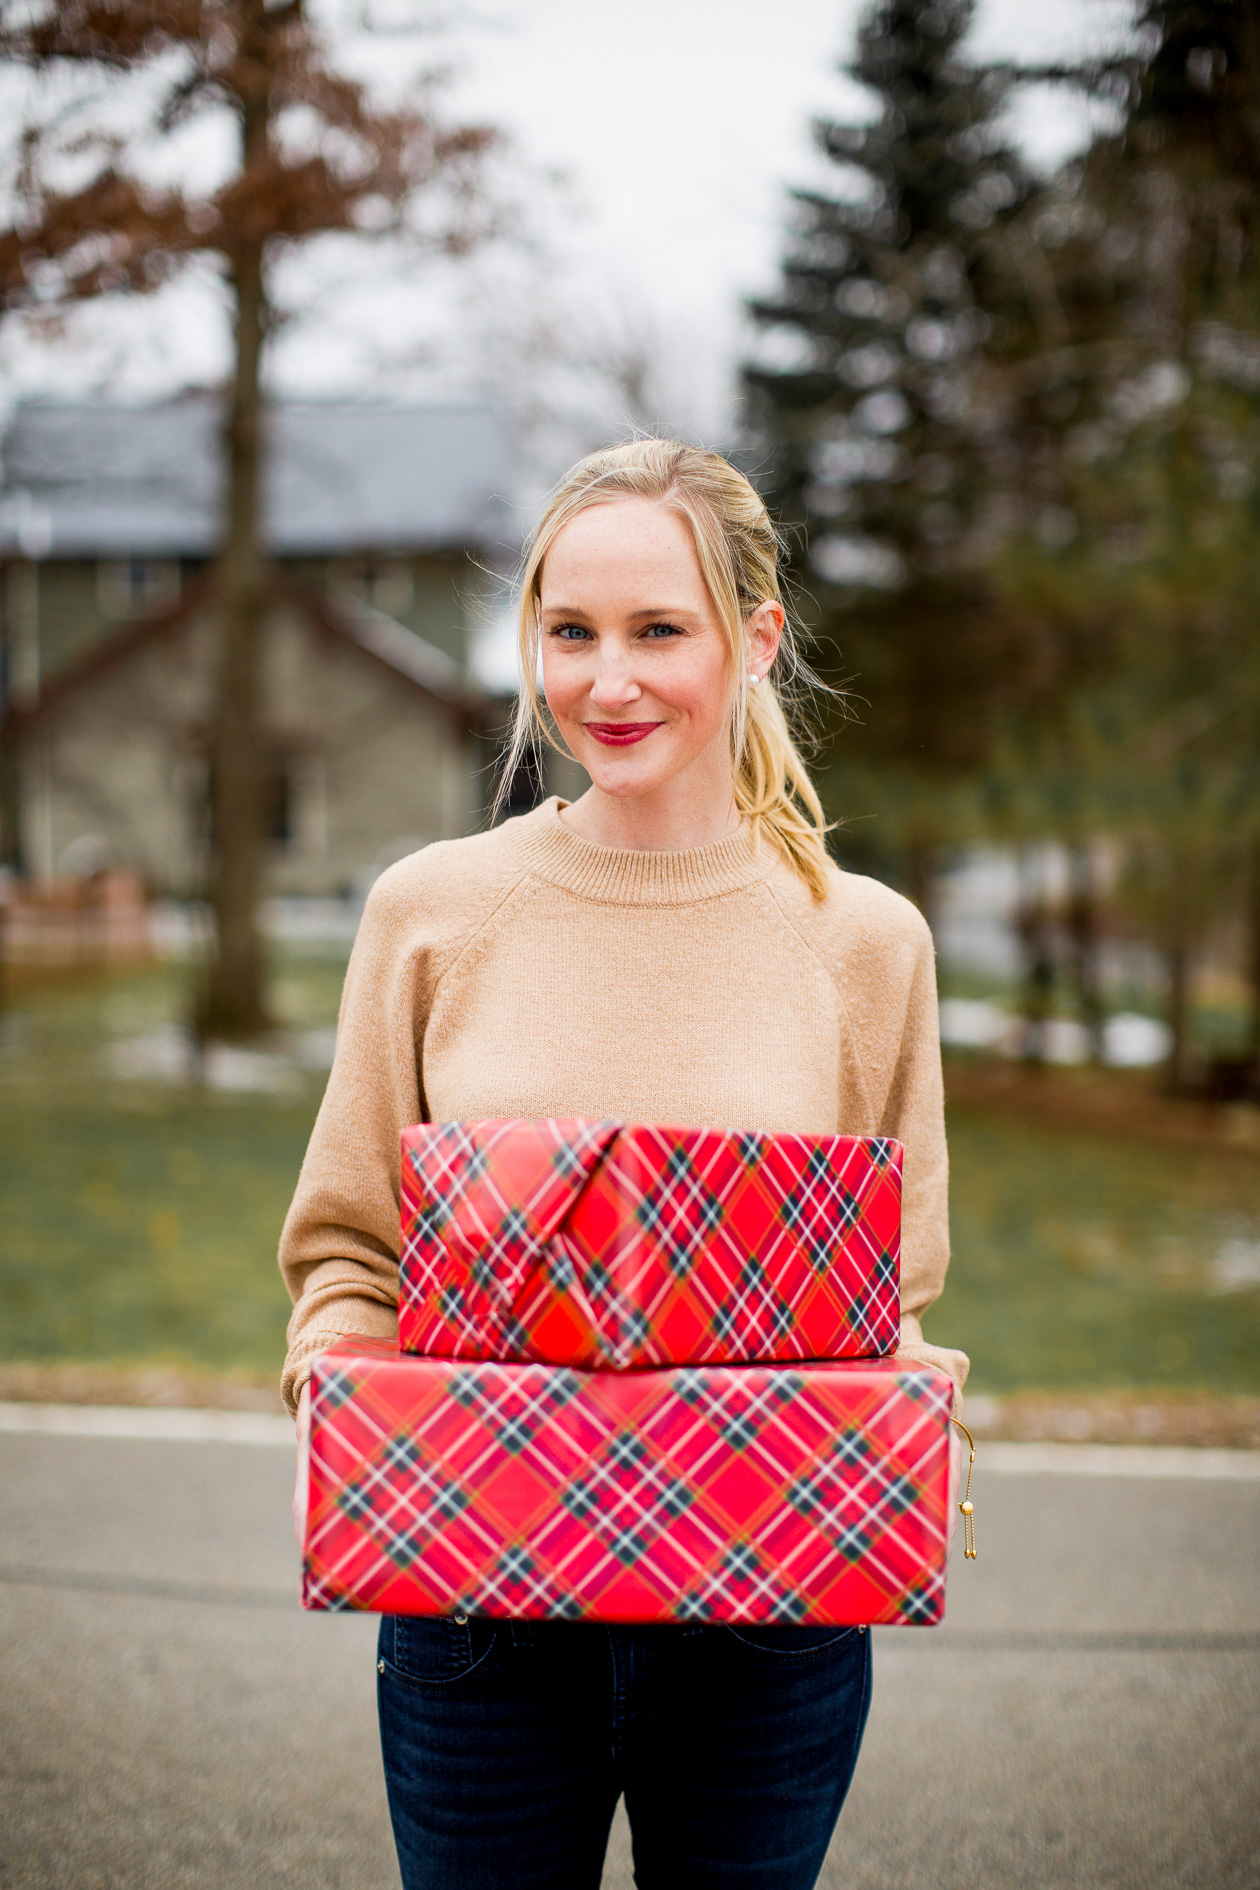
[[682, 122], [677, 125]]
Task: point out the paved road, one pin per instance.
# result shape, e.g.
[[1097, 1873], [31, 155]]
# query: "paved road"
[[168, 1719]]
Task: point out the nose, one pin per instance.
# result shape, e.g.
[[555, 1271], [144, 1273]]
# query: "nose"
[[614, 686]]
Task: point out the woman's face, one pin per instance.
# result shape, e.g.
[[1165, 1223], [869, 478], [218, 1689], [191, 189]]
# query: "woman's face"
[[635, 662]]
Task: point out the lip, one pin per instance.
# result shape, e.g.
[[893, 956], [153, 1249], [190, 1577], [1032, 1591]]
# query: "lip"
[[620, 734]]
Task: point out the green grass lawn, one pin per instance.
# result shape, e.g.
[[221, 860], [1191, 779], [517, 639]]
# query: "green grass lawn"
[[134, 1236], [1089, 1263], [138, 1222]]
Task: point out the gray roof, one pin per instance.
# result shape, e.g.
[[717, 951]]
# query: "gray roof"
[[87, 479]]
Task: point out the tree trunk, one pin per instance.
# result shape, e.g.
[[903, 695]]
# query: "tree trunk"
[[921, 857], [10, 847], [1253, 968], [1179, 1016], [10, 824], [1083, 926], [233, 1000], [1032, 925]]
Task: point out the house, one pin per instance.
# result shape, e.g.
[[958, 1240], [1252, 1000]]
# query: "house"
[[385, 522]]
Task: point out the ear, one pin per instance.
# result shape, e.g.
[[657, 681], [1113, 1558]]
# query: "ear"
[[764, 631]]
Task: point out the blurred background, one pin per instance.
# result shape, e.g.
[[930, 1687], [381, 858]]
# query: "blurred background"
[[306, 305]]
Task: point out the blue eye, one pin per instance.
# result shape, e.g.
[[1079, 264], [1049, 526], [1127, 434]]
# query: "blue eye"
[[664, 630], [571, 632]]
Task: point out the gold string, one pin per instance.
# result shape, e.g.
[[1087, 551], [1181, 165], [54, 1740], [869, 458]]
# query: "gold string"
[[966, 1508]]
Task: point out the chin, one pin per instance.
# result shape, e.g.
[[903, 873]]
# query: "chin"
[[625, 783], [622, 772]]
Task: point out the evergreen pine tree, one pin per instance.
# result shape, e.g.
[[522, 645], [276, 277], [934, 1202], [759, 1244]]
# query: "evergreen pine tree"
[[1153, 245], [1198, 92], [874, 422], [1191, 160]]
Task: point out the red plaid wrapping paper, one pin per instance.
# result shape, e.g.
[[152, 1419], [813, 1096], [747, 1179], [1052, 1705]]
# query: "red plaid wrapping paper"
[[607, 1246], [812, 1493]]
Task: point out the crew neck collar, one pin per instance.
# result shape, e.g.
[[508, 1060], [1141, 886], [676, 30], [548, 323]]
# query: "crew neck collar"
[[631, 876]]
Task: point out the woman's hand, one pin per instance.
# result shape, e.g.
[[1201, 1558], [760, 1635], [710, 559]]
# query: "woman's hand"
[[944, 1358], [302, 1485]]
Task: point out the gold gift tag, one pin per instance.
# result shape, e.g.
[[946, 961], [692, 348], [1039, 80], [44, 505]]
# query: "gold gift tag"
[[967, 1509]]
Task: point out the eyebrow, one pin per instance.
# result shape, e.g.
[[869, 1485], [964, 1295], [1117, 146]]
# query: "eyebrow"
[[652, 611]]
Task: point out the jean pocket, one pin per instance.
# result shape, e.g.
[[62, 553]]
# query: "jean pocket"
[[435, 1649], [791, 1643]]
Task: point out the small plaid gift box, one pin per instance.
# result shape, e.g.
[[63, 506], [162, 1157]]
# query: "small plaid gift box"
[[608, 1246], [768, 1493]]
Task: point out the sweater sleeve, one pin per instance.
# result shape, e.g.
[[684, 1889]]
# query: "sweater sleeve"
[[339, 1247], [915, 1115]]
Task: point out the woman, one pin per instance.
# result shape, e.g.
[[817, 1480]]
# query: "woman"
[[673, 947]]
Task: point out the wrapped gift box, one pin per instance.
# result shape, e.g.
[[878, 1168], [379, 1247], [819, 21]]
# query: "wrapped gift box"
[[602, 1245], [811, 1493]]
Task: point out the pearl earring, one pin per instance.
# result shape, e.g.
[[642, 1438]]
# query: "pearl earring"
[[753, 677]]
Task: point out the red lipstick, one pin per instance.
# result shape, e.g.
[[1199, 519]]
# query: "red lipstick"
[[620, 734]]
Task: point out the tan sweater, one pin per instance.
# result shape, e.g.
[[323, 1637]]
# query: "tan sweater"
[[527, 972]]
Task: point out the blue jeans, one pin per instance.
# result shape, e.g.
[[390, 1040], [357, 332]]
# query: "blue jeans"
[[507, 1745]]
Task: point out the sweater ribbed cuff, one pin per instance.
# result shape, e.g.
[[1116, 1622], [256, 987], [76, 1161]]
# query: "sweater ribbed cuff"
[[299, 1365]]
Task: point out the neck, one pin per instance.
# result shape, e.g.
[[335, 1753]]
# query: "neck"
[[664, 821]]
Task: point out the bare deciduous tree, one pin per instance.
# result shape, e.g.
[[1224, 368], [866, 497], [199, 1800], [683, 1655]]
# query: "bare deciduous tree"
[[315, 155]]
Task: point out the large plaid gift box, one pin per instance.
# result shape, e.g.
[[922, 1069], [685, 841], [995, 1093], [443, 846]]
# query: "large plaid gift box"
[[809, 1493], [609, 1246]]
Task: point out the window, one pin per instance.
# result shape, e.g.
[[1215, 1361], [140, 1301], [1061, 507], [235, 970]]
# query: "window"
[[295, 808], [387, 585], [129, 587], [528, 789], [278, 813], [294, 818]]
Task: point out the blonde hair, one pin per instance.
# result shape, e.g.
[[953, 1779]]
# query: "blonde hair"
[[738, 554]]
